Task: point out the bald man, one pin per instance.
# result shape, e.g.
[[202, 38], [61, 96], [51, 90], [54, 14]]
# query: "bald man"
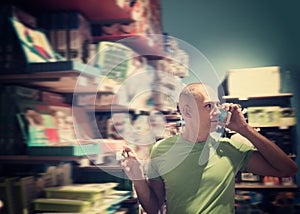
[[194, 172]]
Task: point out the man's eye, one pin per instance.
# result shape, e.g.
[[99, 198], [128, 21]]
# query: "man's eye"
[[208, 106]]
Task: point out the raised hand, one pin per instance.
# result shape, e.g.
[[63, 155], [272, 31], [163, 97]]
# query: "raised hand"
[[237, 120], [131, 164]]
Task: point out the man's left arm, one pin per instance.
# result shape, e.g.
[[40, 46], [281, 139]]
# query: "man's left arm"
[[268, 159]]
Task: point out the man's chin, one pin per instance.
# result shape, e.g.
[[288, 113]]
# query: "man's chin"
[[213, 126]]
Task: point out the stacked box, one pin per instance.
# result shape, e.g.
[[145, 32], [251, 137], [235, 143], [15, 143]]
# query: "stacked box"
[[70, 150], [88, 192], [50, 97], [24, 192], [259, 81], [101, 120], [264, 116], [75, 198], [26, 122], [6, 196], [61, 205], [115, 199], [100, 99], [287, 117], [154, 17], [69, 34], [44, 180], [115, 61], [12, 139], [12, 59], [145, 15], [178, 62]]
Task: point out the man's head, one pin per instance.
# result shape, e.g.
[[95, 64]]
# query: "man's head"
[[198, 104]]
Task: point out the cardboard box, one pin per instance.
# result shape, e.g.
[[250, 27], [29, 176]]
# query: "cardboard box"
[[264, 116], [287, 117], [69, 34], [247, 82], [12, 59]]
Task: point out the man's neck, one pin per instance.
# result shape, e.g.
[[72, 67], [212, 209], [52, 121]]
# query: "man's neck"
[[188, 136]]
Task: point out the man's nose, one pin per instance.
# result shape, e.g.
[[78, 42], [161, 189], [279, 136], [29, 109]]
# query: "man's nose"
[[216, 109]]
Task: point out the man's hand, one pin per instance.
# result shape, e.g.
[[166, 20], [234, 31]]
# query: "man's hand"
[[237, 120], [131, 164]]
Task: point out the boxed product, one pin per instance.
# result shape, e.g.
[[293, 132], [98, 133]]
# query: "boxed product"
[[86, 192], [34, 43], [11, 55], [114, 60], [246, 82], [61, 205], [69, 34], [12, 140], [55, 129], [264, 116], [70, 150], [287, 117], [6, 196], [99, 99], [24, 191]]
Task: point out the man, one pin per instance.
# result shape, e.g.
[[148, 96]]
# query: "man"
[[194, 172]]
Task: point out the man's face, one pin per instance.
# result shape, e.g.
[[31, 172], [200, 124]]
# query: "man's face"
[[207, 113]]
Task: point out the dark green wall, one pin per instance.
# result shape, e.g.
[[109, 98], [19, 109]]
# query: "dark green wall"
[[241, 34]]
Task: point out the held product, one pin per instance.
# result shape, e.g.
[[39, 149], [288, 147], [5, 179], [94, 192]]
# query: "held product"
[[121, 154], [224, 117]]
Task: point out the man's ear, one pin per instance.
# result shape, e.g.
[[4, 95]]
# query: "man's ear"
[[187, 111]]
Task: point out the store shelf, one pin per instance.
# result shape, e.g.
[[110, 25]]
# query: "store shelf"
[[262, 186], [96, 11], [115, 108], [109, 108], [62, 82], [68, 81], [116, 171], [171, 117], [270, 126], [25, 159], [266, 96], [140, 43], [102, 167]]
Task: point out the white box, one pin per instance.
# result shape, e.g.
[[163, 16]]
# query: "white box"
[[260, 81]]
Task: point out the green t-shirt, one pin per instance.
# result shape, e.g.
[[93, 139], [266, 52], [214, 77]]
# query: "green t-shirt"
[[198, 177]]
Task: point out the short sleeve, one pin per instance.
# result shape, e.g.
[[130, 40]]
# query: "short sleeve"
[[152, 170], [245, 149]]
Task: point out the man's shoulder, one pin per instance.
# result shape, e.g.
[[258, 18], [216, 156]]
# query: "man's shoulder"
[[167, 141], [235, 143], [165, 144]]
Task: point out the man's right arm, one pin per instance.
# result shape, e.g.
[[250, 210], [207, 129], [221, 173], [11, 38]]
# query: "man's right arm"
[[151, 194]]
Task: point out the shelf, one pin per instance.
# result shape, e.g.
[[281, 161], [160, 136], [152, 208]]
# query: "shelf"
[[97, 170], [173, 117], [270, 126], [96, 11], [62, 82], [25, 159], [115, 108], [262, 186], [115, 197], [102, 167], [109, 108], [84, 79], [258, 96], [140, 43]]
